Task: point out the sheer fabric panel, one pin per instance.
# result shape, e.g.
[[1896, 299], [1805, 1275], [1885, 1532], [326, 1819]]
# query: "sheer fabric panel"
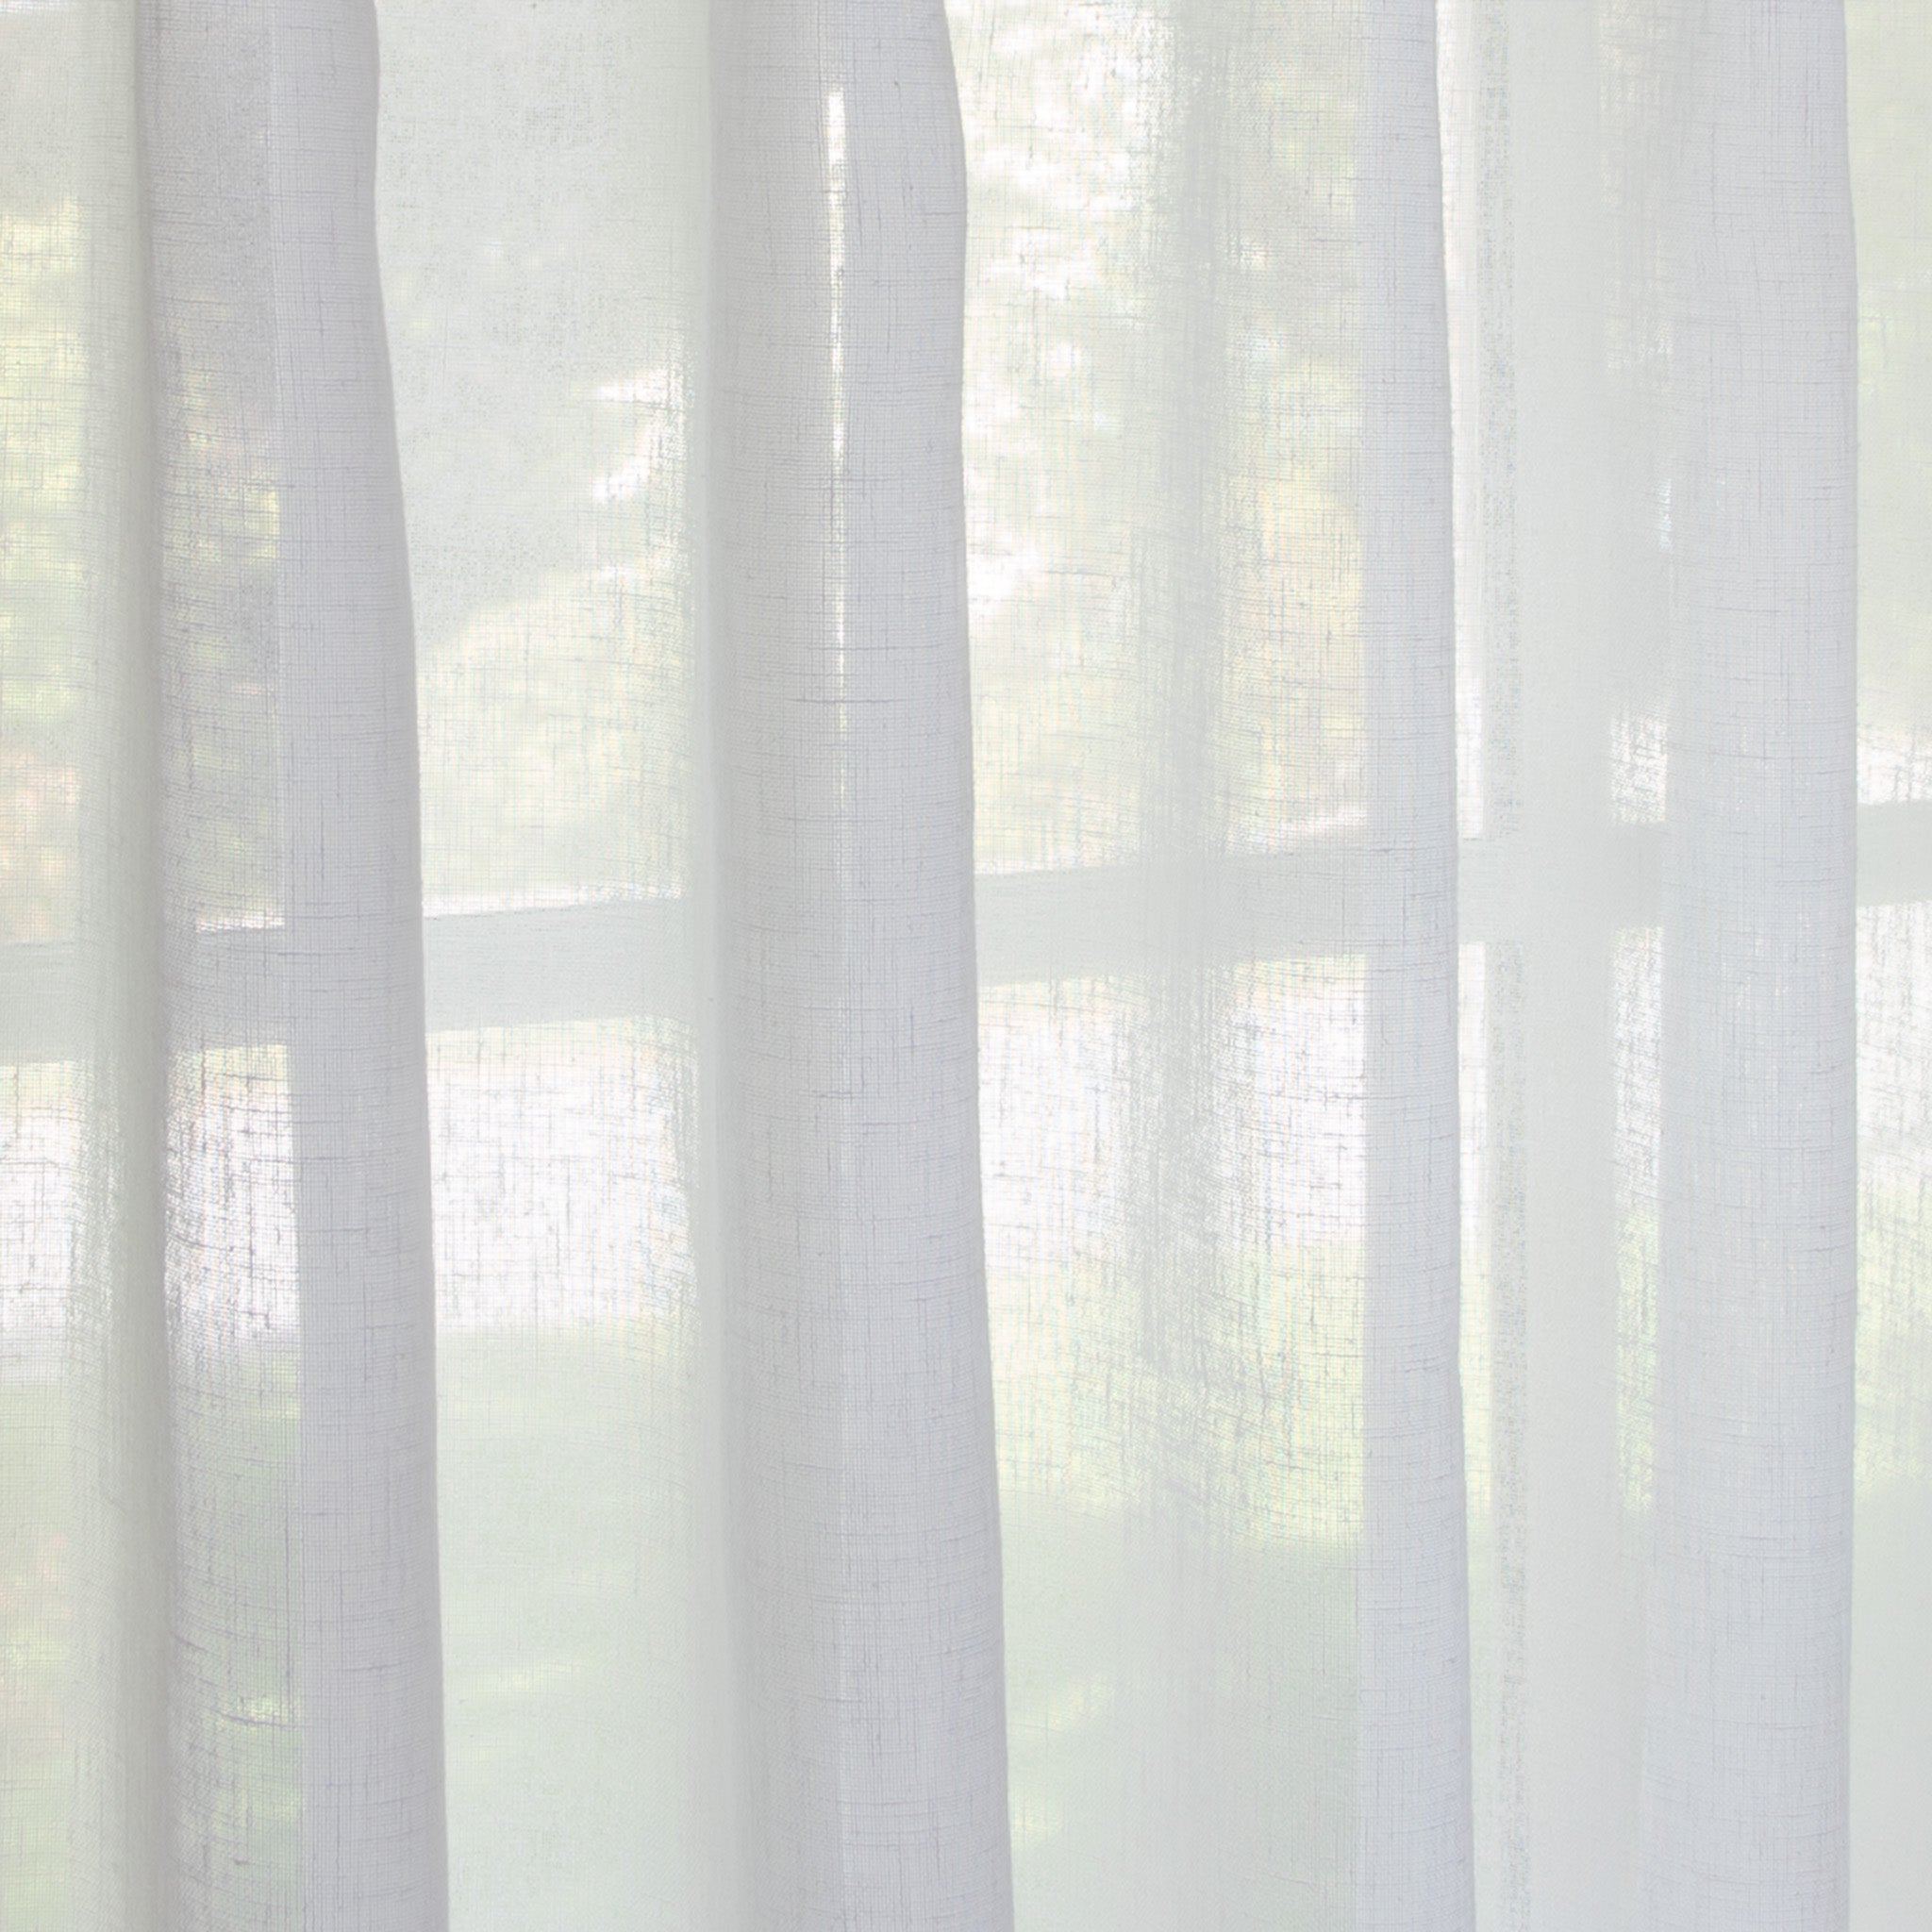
[[1890, 89], [1208, 467], [1100, 804], [1654, 292], [371, 1693], [252, 1723], [1746, 1737], [860, 1508]]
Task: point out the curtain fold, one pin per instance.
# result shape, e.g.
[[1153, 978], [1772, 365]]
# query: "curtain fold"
[[862, 1526], [1417, 1819], [350, 957], [963, 964], [1746, 1745], [257, 1326], [1546, 569]]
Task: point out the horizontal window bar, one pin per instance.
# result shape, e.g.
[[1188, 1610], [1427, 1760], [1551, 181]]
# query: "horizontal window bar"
[[611, 959]]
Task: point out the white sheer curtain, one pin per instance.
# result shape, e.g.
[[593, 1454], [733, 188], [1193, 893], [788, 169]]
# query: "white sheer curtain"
[[965, 967]]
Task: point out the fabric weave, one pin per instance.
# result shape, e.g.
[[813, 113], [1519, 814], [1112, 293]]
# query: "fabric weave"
[[964, 965]]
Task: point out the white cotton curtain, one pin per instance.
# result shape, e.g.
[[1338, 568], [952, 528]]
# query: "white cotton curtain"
[[965, 966], [858, 1515]]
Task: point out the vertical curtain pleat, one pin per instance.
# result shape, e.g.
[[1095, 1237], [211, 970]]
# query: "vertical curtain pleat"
[[263, 1530], [1745, 1753], [1417, 1034], [351, 955], [862, 1547], [125, 1518], [1555, 624], [1416, 1820], [1578, 1666]]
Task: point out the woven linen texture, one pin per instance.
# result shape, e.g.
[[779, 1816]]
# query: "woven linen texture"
[[964, 964]]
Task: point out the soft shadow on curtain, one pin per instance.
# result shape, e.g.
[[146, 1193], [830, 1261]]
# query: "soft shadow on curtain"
[[931, 951]]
